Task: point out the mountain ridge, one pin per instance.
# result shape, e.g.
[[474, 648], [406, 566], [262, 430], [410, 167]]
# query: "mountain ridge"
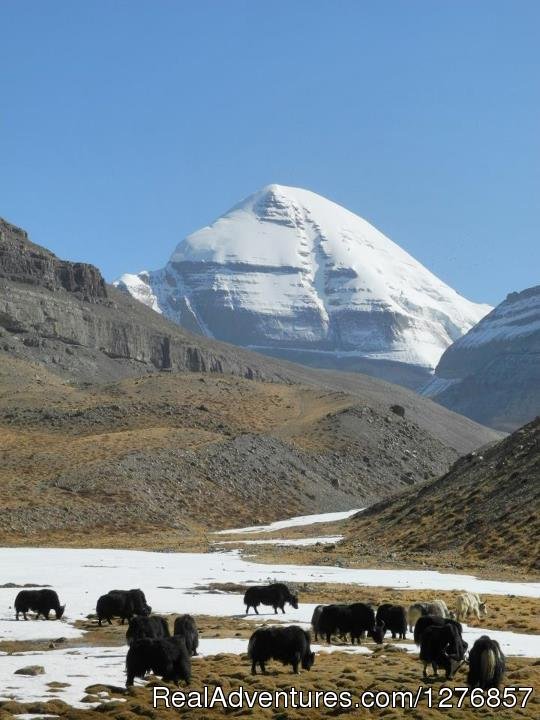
[[492, 373]]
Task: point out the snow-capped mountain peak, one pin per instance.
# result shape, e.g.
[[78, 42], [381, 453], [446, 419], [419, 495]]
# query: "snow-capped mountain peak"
[[287, 271]]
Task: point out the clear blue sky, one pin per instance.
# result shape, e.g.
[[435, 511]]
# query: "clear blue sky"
[[126, 125]]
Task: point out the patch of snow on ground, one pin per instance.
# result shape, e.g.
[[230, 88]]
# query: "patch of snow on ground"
[[297, 521], [511, 643], [11, 629], [349, 649], [299, 542], [80, 667]]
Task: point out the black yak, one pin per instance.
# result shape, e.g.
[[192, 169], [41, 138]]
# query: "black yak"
[[140, 606], [487, 664], [123, 604], [364, 621], [275, 595], [290, 645], [393, 618], [441, 647], [316, 622], [426, 620], [143, 626], [39, 601], [186, 627], [166, 657], [356, 619], [335, 619]]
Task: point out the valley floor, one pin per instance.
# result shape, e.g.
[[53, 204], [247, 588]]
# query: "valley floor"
[[84, 664]]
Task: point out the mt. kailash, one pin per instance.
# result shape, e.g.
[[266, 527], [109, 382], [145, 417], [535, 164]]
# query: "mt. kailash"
[[292, 274]]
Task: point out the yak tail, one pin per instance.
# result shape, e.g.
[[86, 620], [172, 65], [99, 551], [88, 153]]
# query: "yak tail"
[[488, 664], [251, 643]]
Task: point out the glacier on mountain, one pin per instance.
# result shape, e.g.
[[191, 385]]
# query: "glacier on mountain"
[[289, 272]]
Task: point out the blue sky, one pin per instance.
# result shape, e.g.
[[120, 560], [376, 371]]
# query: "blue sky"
[[126, 125]]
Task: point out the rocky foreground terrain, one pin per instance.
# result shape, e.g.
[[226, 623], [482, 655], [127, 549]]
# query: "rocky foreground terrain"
[[118, 422]]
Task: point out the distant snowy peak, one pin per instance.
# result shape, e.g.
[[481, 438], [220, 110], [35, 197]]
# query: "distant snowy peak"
[[512, 328], [288, 271], [492, 374], [516, 317]]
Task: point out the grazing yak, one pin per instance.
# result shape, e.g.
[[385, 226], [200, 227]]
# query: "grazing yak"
[[123, 604], [275, 595], [470, 603], [166, 657], [315, 622], [442, 647], [335, 619], [40, 602], [140, 606], [393, 618], [143, 626], [290, 645], [356, 619], [427, 620], [186, 627], [486, 664]]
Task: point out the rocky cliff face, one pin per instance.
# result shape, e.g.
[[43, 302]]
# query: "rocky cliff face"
[[22, 261], [64, 315], [492, 374]]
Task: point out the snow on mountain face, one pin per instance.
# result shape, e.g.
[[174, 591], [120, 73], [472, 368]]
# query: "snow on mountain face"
[[492, 374], [287, 269], [515, 318], [139, 287]]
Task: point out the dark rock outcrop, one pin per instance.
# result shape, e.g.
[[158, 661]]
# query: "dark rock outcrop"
[[23, 261]]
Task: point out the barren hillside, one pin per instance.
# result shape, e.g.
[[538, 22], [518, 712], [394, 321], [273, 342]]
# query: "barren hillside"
[[178, 451], [485, 509]]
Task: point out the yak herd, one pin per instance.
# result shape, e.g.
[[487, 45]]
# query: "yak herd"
[[152, 648]]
